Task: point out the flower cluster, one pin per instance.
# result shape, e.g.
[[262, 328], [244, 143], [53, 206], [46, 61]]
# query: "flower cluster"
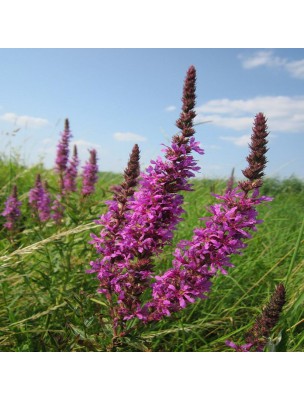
[[90, 174], [256, 159], [63, 153], [198, 260], [44, 206], [150, 217], [40, 201], [70, 176], [11, 211], [137, 229]]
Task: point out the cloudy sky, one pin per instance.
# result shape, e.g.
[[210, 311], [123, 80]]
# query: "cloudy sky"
[[117, 97]]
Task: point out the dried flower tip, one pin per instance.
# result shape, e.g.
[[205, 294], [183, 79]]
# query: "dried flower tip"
[[66, 125]]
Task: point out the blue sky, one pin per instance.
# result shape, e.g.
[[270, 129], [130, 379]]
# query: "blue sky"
[[117, 97]]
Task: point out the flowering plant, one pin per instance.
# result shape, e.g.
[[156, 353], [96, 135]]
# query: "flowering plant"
[[90, 174], [40, 201], [140, 222], [12, 211]]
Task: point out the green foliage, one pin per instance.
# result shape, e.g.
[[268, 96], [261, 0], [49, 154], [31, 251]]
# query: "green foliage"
[[49, 303]]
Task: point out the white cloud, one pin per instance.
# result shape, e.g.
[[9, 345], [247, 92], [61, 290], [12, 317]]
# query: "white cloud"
[[241, 141], [296, 69], [284, 113], [24, 121], [268, 59], [170, 108], [237, 123], [128, 137], [265, 57], [84, 144]]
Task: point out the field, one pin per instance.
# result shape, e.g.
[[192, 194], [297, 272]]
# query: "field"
[[49, 303]]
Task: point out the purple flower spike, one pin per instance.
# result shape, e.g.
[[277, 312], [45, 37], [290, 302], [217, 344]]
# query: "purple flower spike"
[[12, 211], [90, 174], [40, 201], [257, 337], [71, 173], [185, 122], [113, 221], [259, 333], [63, 152], [197, 261], [57, 210]]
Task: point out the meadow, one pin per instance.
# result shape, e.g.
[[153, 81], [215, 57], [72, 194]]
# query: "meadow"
[[152, 261], [49, 303]]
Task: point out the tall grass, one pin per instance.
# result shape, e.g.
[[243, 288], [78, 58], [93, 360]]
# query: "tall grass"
[[49, 303]]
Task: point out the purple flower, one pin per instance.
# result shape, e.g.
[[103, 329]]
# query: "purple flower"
[[90, 174], [12, 211], [63, 152], [150, 216], [40, 201], [70, 176], [198, 260], [185, 122], [157, 207], [244, 348], [57, 210], [114, 220]]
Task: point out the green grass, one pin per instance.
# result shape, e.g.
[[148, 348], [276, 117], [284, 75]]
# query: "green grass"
[[49, 303]]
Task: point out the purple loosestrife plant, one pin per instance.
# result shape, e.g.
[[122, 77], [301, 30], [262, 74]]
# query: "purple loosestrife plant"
[[40, 201], [257, 337], [125, 267], [198, 260], [63, 153], [152, 216], [90, 174], [69, 181], [12, 211], [113, 221]]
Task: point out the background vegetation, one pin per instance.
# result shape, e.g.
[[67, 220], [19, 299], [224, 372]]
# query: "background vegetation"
[[49, 303]]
